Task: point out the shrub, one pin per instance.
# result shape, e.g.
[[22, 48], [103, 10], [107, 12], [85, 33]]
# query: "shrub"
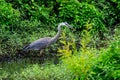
[[79, 62], [35, 9], [8, 15], [110, 10], [79, 13], [67, 45], [108, 61]]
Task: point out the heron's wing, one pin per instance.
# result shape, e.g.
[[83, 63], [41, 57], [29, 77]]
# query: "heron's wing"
[[39, 44]]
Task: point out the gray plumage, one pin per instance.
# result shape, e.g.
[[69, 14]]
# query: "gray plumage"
[[46, 41]]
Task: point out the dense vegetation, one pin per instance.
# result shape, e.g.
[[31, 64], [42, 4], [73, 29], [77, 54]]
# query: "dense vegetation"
[[89, 52]]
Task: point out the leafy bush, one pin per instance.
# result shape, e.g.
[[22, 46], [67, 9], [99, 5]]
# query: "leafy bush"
[[79, 62], [67, 45], [79, 13], [35, 10], [108, 65], [110, 10], [8, 14], [10, 43]]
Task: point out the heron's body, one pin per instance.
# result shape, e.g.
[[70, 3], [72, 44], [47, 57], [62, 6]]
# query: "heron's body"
[[39, 44], [46, 41]]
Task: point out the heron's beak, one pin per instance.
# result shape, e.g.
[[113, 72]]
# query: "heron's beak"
[[69, 26]]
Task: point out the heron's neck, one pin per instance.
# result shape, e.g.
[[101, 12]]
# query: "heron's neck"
[[54, 39]]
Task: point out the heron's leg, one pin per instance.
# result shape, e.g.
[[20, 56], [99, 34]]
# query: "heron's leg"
[[41, 51]]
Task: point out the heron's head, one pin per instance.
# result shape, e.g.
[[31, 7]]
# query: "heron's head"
[[65, 24]]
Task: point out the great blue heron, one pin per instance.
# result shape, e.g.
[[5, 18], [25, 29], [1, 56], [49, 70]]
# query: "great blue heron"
[[42, 43]]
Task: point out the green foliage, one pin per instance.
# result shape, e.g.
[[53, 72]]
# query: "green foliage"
[[84, 64], [23, 21], [108, 62], [44, 72], [81, 62], [8, 15], [79, 13], [110, 11], [35, 9], [36, 12], [10, 43], [15, 37], [23, 71], [67, 45]]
